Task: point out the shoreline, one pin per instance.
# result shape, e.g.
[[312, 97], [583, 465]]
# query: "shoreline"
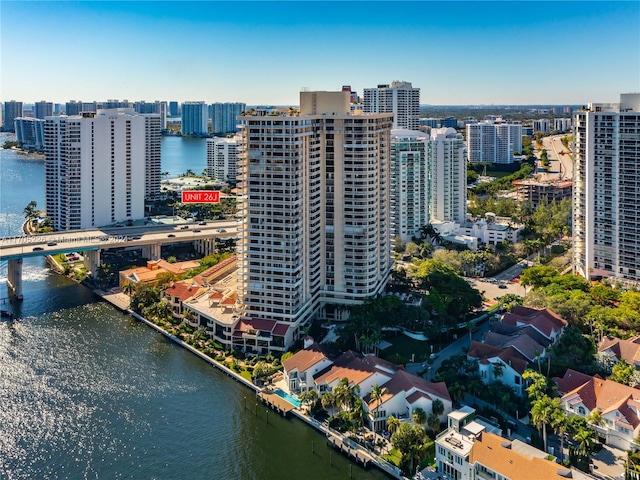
[[359, 455]]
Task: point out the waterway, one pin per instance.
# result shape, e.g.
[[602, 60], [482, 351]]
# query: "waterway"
[[87, 392]]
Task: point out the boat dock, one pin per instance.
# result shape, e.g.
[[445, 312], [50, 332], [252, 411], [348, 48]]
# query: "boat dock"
[[276, 402]]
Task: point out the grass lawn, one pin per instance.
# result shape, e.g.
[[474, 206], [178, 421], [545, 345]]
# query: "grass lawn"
[[402, 347], [246, 375], [394, 457]]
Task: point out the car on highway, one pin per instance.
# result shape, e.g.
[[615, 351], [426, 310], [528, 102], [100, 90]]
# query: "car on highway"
[[184, 227], [197, 230], [37, 249], [221, 230], [202, 223], [171, 235], [52, 244]]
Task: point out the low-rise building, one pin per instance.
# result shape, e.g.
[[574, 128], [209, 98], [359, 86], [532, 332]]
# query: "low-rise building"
[[542, 192], [617, 349], [619, 407], [468, 450], [147, 274], [522, 337]]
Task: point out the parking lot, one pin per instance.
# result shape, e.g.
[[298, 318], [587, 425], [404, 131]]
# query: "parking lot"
[[492, 290]]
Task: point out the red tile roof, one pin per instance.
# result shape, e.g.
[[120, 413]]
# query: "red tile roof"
[[571, 380], [544, 320], [182, 290], [628, 350], [305, 359]]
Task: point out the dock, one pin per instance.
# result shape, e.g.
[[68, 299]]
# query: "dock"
[[349, 448], [115, 297], [276, 402]]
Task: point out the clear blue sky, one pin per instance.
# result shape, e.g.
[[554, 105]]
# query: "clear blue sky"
[[264, 52]]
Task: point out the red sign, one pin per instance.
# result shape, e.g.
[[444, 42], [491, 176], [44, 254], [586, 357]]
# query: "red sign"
[[200, 196]]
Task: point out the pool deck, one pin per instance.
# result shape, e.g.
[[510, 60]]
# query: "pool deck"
[[275, 401]]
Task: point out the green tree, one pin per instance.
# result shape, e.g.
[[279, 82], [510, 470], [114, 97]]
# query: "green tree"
[[30, 211], [543, 411], [622, 372], [419, 416], [409, 440], [377, 392], [392, 424]]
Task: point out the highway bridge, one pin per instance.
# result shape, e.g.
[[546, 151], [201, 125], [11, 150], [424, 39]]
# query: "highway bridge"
[[91, 242]]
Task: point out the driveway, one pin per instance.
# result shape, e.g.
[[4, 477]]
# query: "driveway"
[[609, 462]]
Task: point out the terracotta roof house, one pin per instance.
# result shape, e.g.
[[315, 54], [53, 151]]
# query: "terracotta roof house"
[[467, 450], [147, 275], [522, 337], [618, 349], [404, 391], [302, 366], [571, 380], [177, 294], [619, 406], [544, 321], [261, 335]]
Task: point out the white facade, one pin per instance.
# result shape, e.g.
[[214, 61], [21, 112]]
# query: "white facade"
[[562, 124], [30, 133], [606, 190], [222, 158], [401, 99], [195, 118], [542, 125], [446, 156], [493, 142], [98, 167], [315, 211], [409, 183]]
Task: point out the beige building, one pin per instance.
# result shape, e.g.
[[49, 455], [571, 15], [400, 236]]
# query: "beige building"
[[315, 209]]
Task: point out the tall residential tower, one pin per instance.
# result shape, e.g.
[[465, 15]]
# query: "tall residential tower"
[[401, 99], [315, 228], [606, 190], [99, 166]]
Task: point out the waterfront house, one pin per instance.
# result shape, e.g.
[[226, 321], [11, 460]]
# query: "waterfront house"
[[404, 393], [469, 450], [177, 293], [301, 367], [147, 275]]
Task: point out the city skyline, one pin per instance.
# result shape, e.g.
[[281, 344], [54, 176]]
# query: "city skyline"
[[457, 53]]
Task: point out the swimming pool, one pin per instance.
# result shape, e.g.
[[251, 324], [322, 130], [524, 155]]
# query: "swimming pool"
[[288, 397]]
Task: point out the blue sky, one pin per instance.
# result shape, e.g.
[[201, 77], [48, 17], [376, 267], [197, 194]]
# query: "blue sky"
[[264, 52]]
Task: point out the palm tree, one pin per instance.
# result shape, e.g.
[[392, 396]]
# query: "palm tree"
[[328, 401], [346, 395], [128, 288], [560, 424], [419, 416], [433, 421], [543, 410], [377, 392], [584, 437], [392, 424]]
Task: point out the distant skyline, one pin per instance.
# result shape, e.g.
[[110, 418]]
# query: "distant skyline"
[[457, 53]]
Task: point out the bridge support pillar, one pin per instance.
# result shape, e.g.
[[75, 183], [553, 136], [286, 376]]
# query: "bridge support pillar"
[[92, 262], [14, 277], [205, 246], [151, 251]]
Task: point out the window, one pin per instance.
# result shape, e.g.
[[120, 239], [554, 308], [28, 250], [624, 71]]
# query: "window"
[[581, 410]]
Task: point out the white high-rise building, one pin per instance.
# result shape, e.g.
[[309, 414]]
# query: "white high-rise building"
[[447, 160], [30, 133], [222, 158], [99, 166], [195, 117], [562, 124], [401, 99], [224, 117], [542, 125], [606, 190], [315, 211], [410, 182], [493, 142]]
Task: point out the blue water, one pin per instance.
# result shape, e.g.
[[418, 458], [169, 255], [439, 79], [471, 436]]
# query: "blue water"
[[288, 397], [181, 154], [88, 393]]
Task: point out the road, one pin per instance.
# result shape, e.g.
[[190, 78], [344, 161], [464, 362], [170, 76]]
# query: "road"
[[561, 166], [113, 237]]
